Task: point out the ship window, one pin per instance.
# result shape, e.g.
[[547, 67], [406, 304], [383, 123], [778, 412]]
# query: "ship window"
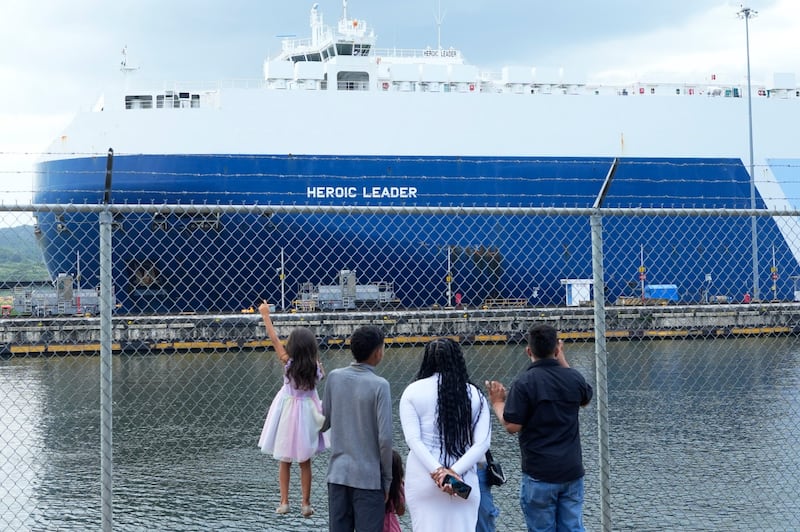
[[331, 51], [652, 90], [139, 102], [314, 57], [167, 101], [195, 100], [344, 49], [352, 81], [677, 91]]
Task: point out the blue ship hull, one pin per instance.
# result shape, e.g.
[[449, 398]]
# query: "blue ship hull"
[[190, 263]]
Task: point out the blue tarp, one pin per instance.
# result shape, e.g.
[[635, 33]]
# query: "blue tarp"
[[661, 291]]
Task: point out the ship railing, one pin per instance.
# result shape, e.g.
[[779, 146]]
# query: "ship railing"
[[306, 44], [492, 81], [352, 85], [196, 86], [449, 55], [292, 45]]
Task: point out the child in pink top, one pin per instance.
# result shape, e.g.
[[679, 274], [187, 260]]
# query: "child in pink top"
[[396, 504]]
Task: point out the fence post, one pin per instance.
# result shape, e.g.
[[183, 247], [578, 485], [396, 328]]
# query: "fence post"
[[106, 308], [601, 370]]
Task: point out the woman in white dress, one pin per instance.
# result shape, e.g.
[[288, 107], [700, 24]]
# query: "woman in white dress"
[[447, 426]]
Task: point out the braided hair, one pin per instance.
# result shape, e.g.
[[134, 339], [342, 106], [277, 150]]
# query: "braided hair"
[[454, 405]]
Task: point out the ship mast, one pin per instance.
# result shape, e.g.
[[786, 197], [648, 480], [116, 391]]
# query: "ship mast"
[[124, 68], [317, 26], [439, 18]]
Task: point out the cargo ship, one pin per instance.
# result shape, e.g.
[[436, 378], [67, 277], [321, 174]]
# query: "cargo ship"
[[337, 121]]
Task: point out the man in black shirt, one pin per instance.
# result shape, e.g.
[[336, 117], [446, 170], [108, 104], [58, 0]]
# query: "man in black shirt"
[[542, 406]]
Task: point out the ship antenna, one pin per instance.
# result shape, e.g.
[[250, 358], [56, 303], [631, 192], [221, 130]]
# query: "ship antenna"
[[124, 63], [344, 9], [439, 17]]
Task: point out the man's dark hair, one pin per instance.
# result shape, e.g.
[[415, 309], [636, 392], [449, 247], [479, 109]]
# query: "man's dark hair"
[[543, 340], [364, 341]]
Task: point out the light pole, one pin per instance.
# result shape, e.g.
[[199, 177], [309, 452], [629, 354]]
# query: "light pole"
[[746, 13]]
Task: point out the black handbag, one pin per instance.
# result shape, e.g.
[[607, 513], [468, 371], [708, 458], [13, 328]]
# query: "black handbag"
[[494, 473]]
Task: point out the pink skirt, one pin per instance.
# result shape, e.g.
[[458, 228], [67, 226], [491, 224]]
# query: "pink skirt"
[[291, 431]]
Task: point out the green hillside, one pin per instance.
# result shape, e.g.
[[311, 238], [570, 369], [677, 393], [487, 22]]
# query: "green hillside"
[[20, 256]]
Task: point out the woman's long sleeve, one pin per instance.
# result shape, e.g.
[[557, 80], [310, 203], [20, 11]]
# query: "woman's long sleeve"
[[412, 430]]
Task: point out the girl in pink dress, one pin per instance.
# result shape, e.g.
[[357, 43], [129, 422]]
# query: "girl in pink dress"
[[396, 503], [291, 431]]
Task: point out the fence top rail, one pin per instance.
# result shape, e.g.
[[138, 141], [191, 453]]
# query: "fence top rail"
[[189, 208]]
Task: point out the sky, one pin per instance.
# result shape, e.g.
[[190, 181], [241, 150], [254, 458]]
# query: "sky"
[[56, 55]]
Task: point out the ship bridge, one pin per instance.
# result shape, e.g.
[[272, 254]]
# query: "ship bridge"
[[352, 38], [345, 59]]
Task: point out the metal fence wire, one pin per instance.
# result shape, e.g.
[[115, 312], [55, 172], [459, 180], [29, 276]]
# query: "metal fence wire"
[[696, 412]]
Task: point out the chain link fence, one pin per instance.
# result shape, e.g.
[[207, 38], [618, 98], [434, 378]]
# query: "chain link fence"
[[694, 424]]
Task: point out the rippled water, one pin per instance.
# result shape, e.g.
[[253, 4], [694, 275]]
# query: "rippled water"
[[703, 436]]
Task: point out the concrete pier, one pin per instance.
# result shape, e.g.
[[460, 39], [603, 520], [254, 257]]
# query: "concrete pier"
[[20, 336]]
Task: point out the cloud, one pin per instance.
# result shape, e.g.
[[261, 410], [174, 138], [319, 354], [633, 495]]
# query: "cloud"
[[23, 139], [709, 42]]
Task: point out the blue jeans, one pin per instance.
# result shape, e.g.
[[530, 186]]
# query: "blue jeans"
[[487, 511], [552, 507]]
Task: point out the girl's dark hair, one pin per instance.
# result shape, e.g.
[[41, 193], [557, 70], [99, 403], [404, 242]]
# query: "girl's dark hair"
[[302, 350], [454, 407], [398, 472]]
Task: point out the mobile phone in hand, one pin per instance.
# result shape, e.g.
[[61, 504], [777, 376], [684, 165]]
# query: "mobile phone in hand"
[[462, 489]]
